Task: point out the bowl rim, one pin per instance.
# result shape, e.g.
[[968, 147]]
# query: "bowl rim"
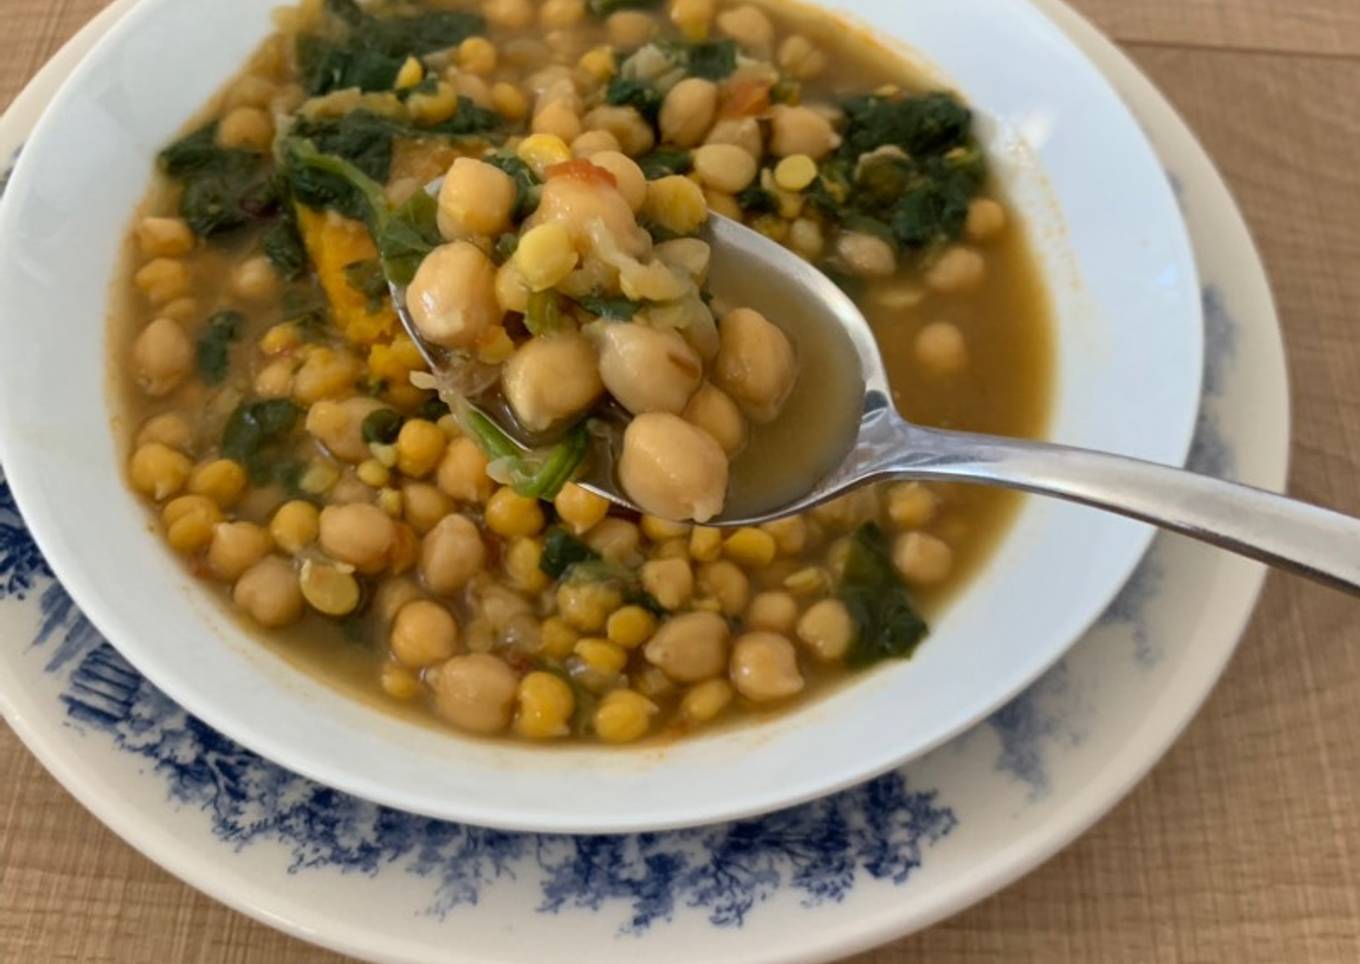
[[27, 487]]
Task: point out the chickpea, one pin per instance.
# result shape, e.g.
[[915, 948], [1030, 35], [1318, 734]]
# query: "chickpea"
[[247, 128], [776, 612], [922, 559], [764, 667], [235, 547], [849, 511], [800, 59], [162, 280], [476, 199], [756, 364], [561, 13], [420, 446], [724, 167], [630, 29], [159, 471], [865, 255], [748, 26], [512, 515], [575, 204], [806, 238], [827, 630], [629, 128], [669, 581], [509, 14], [327, 373], [269, 592], [275, 380], [958, 269], [475, 692], [477, 55], [551, 378], [162, 356], [424, 633], [986, 219], [295, 526], [940, 348], [462, 474], [687, 112], [358, 534], [614, 539], [256, 280], [706, 701], [423, 505], [559, 118], [632, 184], [453, 295], [340, 426], [579, 508], [712, 409], [164, 237], [647, 369], [911, 505], [672, 469], [546, 255], [690, 648], [801, 130], [743, 132], [586, 605], [623, 716], [189, 522], [170, 429], [252, 91], [689, 255], [546, 703], [593, 142], [451, 554], [328, 589], [677, 204], [727, 584], [222, 480]]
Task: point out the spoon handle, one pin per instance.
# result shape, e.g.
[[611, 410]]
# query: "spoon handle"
[[1315, 542]]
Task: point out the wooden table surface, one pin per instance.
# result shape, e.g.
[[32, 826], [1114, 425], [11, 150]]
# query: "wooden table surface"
[[1244, 843]]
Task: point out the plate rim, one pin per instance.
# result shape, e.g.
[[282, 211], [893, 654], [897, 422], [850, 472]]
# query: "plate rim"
[[51, 755]]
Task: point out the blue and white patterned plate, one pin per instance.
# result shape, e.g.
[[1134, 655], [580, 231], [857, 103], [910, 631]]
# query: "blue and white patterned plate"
[[807, 884]]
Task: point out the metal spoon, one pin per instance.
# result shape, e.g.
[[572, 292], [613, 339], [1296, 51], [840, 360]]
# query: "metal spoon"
[[1315, 542]]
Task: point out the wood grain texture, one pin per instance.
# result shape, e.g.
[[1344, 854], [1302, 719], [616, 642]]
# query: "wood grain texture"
[[1244, 843]]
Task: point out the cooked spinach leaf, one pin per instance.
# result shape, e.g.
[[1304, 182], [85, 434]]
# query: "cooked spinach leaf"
[[543, 314], [709, 59], [561, 551], [214, 345], [886, 624], [665, 162], [469, 120], [617, 308], [932, 123], [255, 433], [223, 188], [537, 474], [404, 235], [381, 426], [754, 199], [527, 185], [643, 97], [282, 244], [366, 50], [367, 278]]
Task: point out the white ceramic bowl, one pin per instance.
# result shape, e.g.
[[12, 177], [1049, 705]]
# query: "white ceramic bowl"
[[1112, 246]]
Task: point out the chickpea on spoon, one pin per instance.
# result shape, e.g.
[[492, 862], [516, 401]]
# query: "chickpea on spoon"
[[663, 465]]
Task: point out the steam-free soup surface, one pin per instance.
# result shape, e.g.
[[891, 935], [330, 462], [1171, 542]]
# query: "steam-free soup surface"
[[381, 534]]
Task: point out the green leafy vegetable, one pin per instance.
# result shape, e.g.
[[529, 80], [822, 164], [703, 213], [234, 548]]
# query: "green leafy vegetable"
[[367, 278], [603, 8], [404, 235], [432, 409], [665, 162], [754, 199], [561, 551], [223, 188], [505, 247], [382, 426], [366, 50], [214, 345], [625, 92], [933, 123], [709, 59], [617, 308], [527, 186], [543, 316], [469, 120], [255, 433], [886, 624], [537, 474], [282, 244]]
